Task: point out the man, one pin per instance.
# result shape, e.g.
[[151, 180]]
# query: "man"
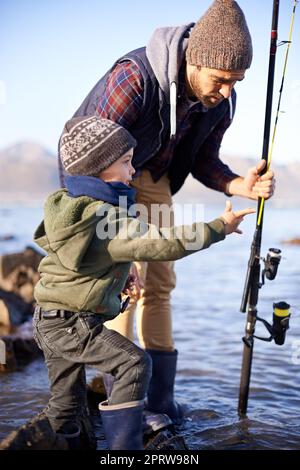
[[177, 98]]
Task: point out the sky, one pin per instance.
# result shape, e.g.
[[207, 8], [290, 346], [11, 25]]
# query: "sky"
[[53, 52]]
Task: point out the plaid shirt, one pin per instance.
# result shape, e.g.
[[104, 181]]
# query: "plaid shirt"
[[122, 102]]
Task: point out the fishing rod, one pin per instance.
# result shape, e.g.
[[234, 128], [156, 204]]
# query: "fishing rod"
[[281, 310]]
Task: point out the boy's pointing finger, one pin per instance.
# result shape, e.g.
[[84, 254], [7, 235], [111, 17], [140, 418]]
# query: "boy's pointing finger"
[[245, 212]]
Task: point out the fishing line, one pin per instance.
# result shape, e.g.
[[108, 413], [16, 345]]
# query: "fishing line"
[[270, 155], [256, 274]]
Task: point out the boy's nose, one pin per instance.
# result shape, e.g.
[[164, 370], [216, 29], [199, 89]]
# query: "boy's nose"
[[132, 170]]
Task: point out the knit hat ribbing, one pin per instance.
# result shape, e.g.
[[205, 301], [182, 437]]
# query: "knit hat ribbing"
[[88, 145], [221, 38]]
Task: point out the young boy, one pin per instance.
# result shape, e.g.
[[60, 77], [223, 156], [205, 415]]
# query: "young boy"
[[91, 240]]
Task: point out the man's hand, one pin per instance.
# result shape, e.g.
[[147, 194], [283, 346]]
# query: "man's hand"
[[254, 186]]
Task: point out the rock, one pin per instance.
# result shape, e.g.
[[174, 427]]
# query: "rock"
[[166, 439], [97, 386], [37, 434], [10, 360], [13, 309], [19, 273], [20, 348], [30, 257], [96, 392], [18, 276]]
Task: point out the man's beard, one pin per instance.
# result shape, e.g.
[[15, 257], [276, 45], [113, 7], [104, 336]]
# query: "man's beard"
[[209, 101]]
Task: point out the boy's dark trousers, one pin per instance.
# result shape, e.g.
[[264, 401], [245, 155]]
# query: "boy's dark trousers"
[[72, 340]]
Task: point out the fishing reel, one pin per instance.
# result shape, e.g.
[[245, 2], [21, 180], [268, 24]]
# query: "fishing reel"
[[281, 319], [271, 263]]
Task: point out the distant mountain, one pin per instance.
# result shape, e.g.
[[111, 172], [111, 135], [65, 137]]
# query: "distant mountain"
[[29, 172]]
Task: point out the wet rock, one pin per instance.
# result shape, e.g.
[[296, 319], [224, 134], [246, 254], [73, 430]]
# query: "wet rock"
[[13, 309], [18, 276], [37, 434], [9, 360], [19, 272], [166, 439], [96, 392], [20, 348], [30, 257]]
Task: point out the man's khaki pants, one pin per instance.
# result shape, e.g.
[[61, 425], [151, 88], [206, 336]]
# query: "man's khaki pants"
[[154, 324]]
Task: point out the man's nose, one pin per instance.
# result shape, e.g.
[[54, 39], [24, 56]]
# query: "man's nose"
[[226, 90]]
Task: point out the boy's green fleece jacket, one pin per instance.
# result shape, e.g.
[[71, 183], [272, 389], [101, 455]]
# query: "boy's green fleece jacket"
[[91, 244]]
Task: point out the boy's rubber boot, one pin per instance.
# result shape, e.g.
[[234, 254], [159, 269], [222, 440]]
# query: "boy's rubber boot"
[[161, 389], [152, 422], [71, 433], [122, 425]]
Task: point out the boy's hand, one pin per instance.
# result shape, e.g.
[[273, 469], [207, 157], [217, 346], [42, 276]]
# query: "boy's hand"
[[233, 219], [129, 286], [134, 284]]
